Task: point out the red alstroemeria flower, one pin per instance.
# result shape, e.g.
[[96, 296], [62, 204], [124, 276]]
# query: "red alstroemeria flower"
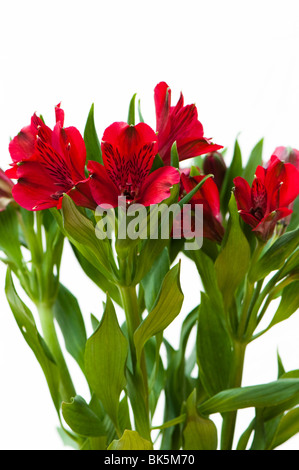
[[268, 199], [179, 124], [48, 164], [128, 154], [208, 196]]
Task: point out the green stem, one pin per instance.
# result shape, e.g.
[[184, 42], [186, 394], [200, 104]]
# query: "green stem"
[[50, 336], [229, 419], [133, 318]]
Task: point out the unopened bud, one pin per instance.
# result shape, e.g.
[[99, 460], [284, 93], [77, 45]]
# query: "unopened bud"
[[214, 164]]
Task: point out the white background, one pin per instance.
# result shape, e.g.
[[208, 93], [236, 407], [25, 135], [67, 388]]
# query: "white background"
[[237, 60]]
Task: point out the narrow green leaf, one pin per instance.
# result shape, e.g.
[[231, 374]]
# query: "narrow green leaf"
[[288, 305], [199, 433], [26, 323], [287, 428], [131, 113], [189, 196], [97, 276], [206, 269], [105, 358], [70, 320], [233, 170], [9, 235], [131, 440], [81, 419], [153, 280], [92, 143], [274, 258], [157, 163], [214, 348], [233, 260], [81, 233], [294, 222], [254, 160], [167, 307], [256, 396], [174, 156], [139, 112]]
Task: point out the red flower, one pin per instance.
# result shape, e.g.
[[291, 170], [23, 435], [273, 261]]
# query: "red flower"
[[208, 196], [178, 124], [268, 199], [6, 186], [48, 164], [128, 154]]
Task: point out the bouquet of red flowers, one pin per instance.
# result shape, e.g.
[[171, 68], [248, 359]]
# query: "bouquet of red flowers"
[[130, 204]]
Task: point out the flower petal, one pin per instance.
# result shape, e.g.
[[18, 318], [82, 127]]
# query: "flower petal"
[[242, 193], [162, 98], [157, 185], [102, 187]]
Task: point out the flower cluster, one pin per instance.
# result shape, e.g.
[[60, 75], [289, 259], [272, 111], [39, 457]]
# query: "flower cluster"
[[62, 185], [50, 163]]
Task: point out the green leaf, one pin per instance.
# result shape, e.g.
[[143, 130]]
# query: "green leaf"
[[256, 396], [97, 277], [288, 305], [190, 195], [131, 113], [131, 440], [233, 170], [206, 269], [81, 419], [9, 235], [105, 359], [274, 258], [157, 163], [254, 160], [214, 347], [69, 317], [153, 280], [174, 156], [167, 307], [92, 143], [233, 260], [294, 222], [199, 433], [287, 428], [139, 112], [81, 233], [27, 326]]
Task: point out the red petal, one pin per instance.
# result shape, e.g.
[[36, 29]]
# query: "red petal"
[[249, 218], [102, 188], [34, 188], [289, 188], [59, 114], [22, 146], [242, 193], [162, 98], [209, 193], [157, 185], [76, 150], [128, 152], [82, 196]]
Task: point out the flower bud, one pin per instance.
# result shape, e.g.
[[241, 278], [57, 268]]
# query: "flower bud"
[[214, 163], [6, 186]]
